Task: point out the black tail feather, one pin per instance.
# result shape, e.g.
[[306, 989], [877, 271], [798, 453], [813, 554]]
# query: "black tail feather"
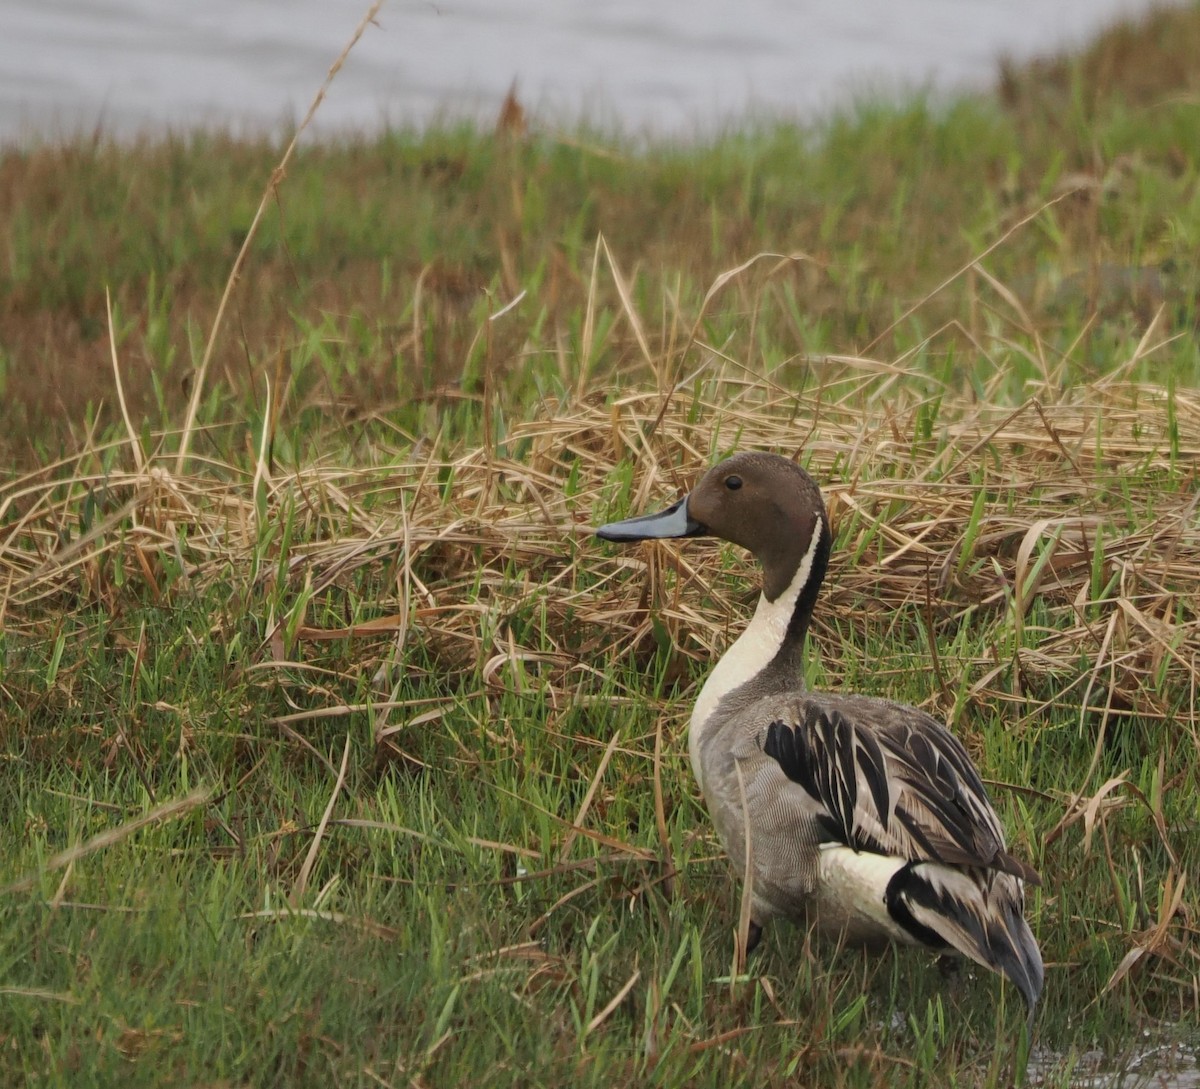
[[979, 915]]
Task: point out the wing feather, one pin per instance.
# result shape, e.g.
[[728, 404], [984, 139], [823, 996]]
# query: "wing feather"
[[895, 782]]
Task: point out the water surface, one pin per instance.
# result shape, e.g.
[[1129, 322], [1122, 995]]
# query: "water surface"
[[660, 66]]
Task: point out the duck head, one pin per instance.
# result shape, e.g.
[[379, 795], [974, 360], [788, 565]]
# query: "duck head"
[[763, 502]]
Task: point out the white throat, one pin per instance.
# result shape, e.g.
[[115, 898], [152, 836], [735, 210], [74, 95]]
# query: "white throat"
[[751, 652]]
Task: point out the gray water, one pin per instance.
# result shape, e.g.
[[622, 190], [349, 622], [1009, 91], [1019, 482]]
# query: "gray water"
[[679, 67], [1152, 1064]]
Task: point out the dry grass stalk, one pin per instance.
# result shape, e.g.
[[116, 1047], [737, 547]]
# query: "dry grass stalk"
[[165, 812], [1053, 473], [277, 176]]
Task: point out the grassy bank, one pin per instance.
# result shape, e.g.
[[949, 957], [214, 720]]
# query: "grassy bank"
[[369, 279], [239, 852]]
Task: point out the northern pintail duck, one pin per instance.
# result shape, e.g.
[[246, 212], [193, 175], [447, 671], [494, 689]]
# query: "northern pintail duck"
[[866, 817]]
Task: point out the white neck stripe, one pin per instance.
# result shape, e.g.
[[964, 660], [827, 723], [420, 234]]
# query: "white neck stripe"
[[753, 650]]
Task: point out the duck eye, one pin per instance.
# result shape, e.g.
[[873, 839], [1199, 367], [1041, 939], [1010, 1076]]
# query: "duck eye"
[[733, 483]]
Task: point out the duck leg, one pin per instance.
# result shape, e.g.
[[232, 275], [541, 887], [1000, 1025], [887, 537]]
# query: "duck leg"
[[949, 968], [753, 937]]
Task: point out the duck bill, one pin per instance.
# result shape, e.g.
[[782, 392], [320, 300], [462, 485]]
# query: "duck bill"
[[672, 522]]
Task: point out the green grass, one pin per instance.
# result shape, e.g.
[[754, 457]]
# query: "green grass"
[[511, 887]]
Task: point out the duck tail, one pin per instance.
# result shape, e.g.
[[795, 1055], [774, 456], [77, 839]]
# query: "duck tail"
[[978, 913]]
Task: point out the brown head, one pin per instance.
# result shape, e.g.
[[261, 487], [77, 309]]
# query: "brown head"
[[763, 502]]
